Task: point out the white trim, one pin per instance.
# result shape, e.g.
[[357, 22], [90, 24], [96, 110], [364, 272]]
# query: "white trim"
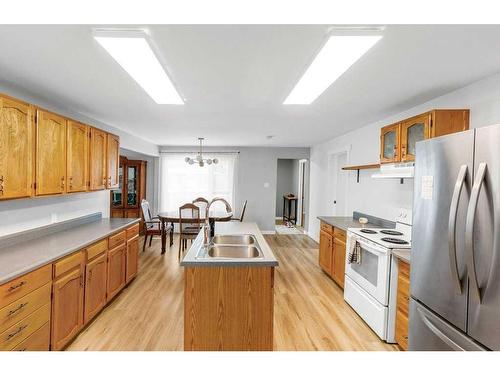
[[335, 153], [268, 231], [300, 193], [278, 218]]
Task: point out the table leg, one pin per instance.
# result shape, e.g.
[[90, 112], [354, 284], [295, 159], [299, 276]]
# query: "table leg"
[[163, 237], [172, 235]]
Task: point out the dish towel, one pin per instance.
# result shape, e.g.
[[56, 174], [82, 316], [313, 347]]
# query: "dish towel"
[[354, 255]]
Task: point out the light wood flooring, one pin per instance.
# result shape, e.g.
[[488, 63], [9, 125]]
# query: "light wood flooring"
[[310, 312]]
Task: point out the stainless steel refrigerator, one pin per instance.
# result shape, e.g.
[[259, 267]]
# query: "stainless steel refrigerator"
[[455, 255]]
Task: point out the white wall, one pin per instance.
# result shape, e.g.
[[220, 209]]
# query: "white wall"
[[383, 197], [22, 214]]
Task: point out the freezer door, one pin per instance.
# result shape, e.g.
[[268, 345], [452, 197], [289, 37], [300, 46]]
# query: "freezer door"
[[483, 235], [430, 332], [443, 177]]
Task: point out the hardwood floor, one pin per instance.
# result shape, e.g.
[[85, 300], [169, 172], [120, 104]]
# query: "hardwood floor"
[[310, 313]]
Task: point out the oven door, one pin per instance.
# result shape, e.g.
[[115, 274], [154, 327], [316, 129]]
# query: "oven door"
[[372, 274]]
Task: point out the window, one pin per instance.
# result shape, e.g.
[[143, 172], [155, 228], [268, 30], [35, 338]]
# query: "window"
[[182, 183]]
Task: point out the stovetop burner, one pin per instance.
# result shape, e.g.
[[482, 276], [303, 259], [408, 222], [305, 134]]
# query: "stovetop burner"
[[395, 240], [369, 231], [391, 232]]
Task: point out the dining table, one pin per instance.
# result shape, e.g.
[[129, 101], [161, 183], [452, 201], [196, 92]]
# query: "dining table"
[[172, 217]]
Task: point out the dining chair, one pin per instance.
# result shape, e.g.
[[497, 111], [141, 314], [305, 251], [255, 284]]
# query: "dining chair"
[[188, 229], [242, 214], [152, 225], [201, 203]]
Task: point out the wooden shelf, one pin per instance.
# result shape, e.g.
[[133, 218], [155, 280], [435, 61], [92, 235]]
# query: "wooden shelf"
[[357, 168]]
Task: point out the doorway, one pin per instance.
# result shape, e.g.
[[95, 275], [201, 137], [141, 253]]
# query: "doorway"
[[337, 186]]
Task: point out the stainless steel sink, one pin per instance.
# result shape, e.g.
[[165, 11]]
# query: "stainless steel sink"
[[234, 251], [238, 239]]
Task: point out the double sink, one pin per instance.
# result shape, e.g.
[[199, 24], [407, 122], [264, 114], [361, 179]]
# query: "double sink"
[[234, 247]]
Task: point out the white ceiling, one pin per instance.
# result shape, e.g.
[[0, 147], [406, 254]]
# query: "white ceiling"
[[235, 78]]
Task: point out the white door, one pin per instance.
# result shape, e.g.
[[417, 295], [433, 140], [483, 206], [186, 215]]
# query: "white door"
[[338, 184]]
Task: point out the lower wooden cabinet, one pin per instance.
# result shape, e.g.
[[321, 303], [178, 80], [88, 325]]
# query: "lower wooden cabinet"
[[132, 258], [95, 286], [38, 341], [332, 252], [67, 308], [116, 270], [403, 304]]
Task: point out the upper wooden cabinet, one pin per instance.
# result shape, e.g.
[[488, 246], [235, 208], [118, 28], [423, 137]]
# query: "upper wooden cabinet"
[[16, 148], [77, 157], [50, 153], [98, 151], [113, 153], [398, 141]]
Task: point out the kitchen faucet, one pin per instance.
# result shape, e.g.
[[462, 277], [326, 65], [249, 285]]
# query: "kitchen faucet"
[[207, 237]]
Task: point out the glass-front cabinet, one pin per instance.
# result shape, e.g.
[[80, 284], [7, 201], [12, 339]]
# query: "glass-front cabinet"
[[390, 143], [413, 130]]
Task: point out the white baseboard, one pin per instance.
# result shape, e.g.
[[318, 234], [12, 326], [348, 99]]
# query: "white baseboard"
[[268, 231]]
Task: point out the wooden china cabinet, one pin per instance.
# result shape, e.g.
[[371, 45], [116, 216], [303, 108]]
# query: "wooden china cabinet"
[[126, 198]]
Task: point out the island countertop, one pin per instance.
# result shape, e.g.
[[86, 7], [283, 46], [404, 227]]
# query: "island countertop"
[[22, 257], [268, 259]]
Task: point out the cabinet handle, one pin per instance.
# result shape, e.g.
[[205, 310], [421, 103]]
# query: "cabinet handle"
[[1, 185], [62, 182], [395, 151], [14, 287], [17, 309], [71, 182], [403, 149], [81, 280], [18, 331], [90, 275]]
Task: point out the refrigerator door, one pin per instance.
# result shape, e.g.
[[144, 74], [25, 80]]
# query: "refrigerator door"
[[483, 240], [430, 332], [443, 177]]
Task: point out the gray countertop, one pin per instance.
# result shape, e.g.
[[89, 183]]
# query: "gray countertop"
[[196, 256], [344, 222], [24, 256], [404, 255]]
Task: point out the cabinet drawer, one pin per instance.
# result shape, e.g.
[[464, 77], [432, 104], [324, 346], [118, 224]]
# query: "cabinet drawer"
[[17, 288], [132, 231], [326, 227], [402, 330], [97, 249], [38, 341], [339, 234], [116, 240], [67, 264], [11, 337], [18, 310]]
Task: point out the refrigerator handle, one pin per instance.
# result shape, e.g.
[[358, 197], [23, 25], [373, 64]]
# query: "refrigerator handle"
[[452, 221], [469, 228]]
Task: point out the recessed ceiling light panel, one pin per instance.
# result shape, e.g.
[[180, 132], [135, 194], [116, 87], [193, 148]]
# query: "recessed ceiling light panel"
[[134, 53], [336, 56]]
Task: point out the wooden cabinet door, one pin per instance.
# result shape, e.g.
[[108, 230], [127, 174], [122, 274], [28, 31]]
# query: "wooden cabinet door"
[[16, 149], [414, 130], [50, 153], [78, 156], [97, 159], [116, 270], [325, 251], [67, 308], [390, 143], [132, 258], [95, 287], [338, 268], [113, 155]]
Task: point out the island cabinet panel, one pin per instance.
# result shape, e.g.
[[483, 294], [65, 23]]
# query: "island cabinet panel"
[[116, 270], [67, 308], [50, 152], [95, 287], [16, 149], [113, 157], [228, 308], [132, 258], [325, 251], [98, 148], [77, 157]]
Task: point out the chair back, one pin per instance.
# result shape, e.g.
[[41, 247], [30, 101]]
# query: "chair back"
[[242, 214], [192, 212], [201, 203], [146, 213]]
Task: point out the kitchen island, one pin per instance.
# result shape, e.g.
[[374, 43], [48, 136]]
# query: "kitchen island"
[[229, 300]]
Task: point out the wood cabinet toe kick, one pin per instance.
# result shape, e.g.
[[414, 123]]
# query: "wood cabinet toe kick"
[[47, 308]]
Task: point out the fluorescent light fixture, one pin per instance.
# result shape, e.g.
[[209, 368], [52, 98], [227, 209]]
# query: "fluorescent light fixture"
[[135, 55], [337, 55]]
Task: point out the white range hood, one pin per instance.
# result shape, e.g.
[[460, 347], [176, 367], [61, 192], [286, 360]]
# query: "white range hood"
[[398, 171]]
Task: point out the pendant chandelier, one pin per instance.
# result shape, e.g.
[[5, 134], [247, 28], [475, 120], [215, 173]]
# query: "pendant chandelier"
[[199, 158]]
